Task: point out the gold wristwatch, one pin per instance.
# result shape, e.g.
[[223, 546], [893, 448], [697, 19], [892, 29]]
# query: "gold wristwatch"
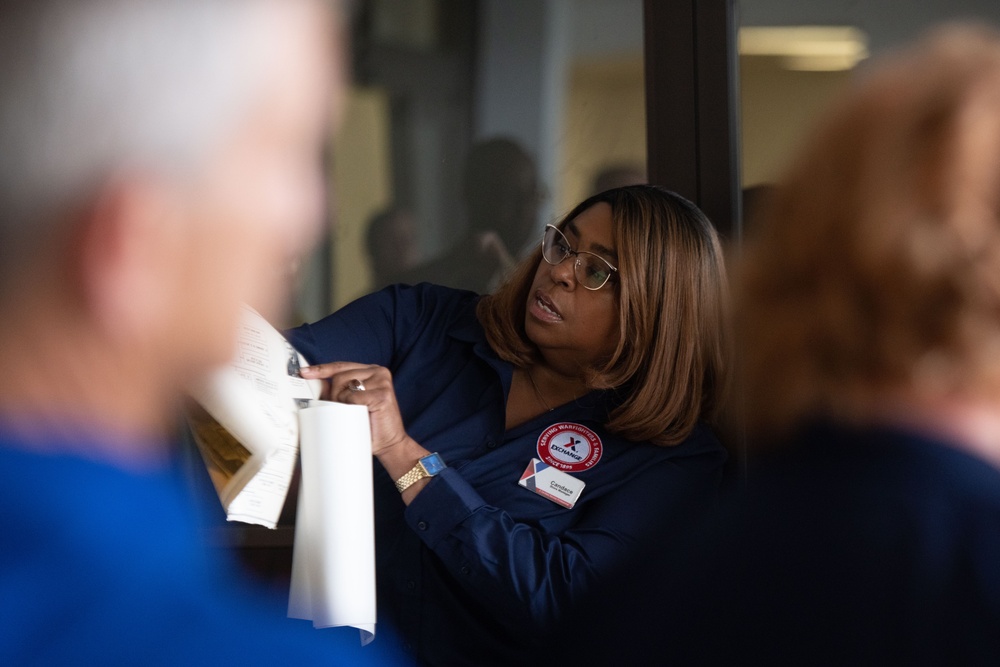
[[428, 466]]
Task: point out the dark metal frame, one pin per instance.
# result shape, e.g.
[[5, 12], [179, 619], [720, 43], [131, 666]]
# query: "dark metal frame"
[[692, 124], [692, 105]]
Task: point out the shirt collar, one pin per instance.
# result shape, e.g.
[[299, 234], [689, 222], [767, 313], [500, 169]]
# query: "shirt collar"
[[593, 406]]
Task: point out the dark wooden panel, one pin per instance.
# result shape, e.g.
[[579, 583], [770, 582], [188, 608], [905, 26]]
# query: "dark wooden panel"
[[718, 114], [692, 102], [671, 109], [692, 124]]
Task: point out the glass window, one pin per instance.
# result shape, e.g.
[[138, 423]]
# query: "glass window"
[[469, 126], [796, 55]]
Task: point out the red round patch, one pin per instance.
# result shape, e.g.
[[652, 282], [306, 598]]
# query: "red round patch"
[[569, 447]]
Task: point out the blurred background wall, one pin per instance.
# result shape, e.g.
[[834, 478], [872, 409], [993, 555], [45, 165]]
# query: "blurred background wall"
[[565, 80]]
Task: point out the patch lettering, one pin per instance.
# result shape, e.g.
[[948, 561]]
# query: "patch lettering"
[[570, 447]]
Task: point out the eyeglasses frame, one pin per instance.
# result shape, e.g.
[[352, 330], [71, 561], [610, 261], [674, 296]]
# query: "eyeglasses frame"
[[576, 263]]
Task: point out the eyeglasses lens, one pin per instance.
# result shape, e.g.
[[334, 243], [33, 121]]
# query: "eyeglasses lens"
[[591, 271], [595, 272], [555, 247]]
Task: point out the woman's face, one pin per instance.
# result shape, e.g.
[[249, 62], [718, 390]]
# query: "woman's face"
[[571, 325]]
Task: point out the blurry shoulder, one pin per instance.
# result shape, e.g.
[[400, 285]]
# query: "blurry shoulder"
[[882, 449], [89, 481], [428, 296], [101, 513], [422, 300], [880, 469]]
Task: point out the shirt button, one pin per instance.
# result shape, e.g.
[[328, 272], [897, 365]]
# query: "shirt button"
[[421, 525], [411, 585], [466, 569], [490, 444]]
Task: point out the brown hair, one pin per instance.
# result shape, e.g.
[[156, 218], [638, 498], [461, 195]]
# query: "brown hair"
[[669, 366], [876, 264]]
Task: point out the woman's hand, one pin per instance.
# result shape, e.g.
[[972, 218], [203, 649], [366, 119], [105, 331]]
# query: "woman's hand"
[[396, 451], [344, 382]]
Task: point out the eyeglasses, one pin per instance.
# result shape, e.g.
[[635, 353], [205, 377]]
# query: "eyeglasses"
[[591, 270]]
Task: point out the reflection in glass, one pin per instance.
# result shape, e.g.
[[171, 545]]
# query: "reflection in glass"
[[555, 87], [796, 57]]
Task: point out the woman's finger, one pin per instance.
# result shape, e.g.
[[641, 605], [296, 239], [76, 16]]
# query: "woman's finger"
[[333, 375], [323, 371], [372, 387], [348, 385]]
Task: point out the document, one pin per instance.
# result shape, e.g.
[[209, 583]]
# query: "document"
[[333, 562], [247, 426], [252, 419]]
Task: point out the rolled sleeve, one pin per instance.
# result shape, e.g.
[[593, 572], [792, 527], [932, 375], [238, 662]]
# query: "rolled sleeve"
[[443, 505]]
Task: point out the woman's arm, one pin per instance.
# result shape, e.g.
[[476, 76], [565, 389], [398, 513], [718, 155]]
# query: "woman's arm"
[[374, 328], [360, 331], [532, 579], [529, 578]]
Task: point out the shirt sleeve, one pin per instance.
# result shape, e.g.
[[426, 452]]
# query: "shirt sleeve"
[[374, 328], [531, 578]]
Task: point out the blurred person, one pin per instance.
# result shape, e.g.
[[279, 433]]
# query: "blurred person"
[[160, 166], [391, 241], [871, 315], [614, 176], [602, 358], [755, 200], [501, 194]]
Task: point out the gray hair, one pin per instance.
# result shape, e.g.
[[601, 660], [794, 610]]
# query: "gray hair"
[[88, 87]]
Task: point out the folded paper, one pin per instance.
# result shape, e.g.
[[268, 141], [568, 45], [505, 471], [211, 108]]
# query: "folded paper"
[[333, 563]]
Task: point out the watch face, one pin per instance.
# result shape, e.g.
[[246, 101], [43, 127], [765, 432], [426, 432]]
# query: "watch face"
[[433, 464]]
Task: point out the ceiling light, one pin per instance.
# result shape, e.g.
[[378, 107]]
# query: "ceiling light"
[[807, 48]]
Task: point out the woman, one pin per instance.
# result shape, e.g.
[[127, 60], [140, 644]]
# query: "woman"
[[601, 357], [871, 322]]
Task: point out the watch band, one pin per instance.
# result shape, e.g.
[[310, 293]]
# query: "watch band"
[[428, 466], [416, 474]]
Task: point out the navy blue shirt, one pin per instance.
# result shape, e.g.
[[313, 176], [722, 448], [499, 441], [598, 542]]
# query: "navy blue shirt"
[[102, 566], [852, 546], [479, 570]]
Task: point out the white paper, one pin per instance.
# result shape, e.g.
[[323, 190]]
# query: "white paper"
[[333, 563], [254, 399]]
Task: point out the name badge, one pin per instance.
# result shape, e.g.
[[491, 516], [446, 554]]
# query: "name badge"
[[551, 483]]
